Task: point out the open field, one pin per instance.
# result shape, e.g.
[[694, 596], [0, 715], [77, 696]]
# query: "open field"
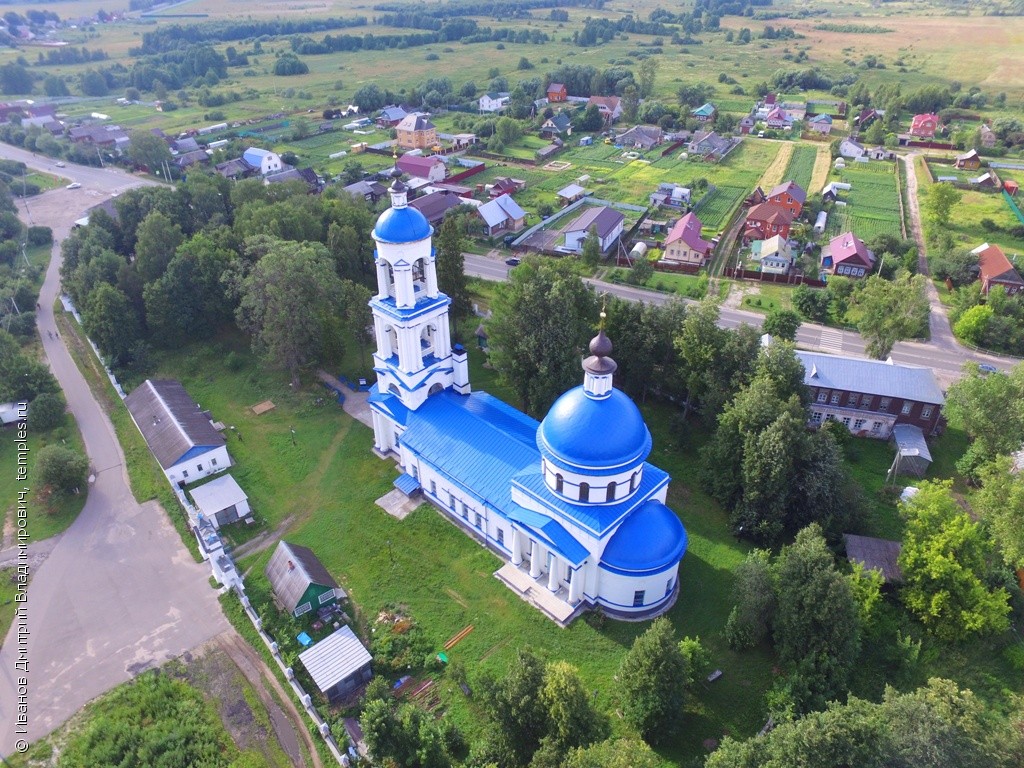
[[873, 202]]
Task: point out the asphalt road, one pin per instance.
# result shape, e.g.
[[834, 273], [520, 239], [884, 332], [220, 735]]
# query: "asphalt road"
[[118, 593], [944, 356]]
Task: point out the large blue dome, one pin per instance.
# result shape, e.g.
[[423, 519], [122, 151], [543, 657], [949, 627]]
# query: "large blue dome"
[[402, 225], [589, 433], [650, 539]]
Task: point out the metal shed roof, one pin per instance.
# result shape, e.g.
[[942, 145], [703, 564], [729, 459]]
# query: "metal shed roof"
[[170, 421], [873, 377], [876, 554], [910, 441], [217, 495], [335, 658], [292, 569]]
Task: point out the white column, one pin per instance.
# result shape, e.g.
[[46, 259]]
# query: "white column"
[[517, 547], [403, 287], [535, 556], [431, 275], [576, 586], [382, 279], [553, 574]]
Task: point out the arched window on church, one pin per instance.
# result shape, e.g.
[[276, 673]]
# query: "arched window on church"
[[419, 275], [434, 389], [611, 491], [427, 340], [393, 389], [392, 341], [559, 483], [391, 280], [632, 482], [584, 491]]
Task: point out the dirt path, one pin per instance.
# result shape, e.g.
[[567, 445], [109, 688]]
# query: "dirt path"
[[776, 170], [289, 725], [822, 163], [938, 320]]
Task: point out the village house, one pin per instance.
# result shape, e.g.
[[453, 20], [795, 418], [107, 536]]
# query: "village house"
[[504, 185], [221, 501], [307, 176], [299, 580], [670, 195], [570, 194], [747, 124], [502, 214], [869, 397], [968, 161], [789, 195], [995, 269], [847, 255], [610, 107], [881, 153], [986, 137], [236, 168], [851, 149], [371, 191], [684, 245], [709, 145], [391, 116], [494, 101], [188, 159], [604, 220], [641, 137], [263, 161], [415, 131], [766, 220], [339, 664], [865, 118], [924, 126], [820, 124], [773, 255], [778, 118], [830, 192], [556, 125], [987, 180], [181, 437], [557, 92], [429, 168], [704, 113], [434, 205]]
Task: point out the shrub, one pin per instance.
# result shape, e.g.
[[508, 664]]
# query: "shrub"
[[40, 236], [46, 412], [62, 469]]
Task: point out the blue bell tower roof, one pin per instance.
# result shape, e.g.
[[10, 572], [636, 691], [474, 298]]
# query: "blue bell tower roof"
[[402, 225], [585, 433]]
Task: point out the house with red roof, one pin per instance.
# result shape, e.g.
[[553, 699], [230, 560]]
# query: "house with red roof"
[[995, 269], [610, 107], [684, 245], [924, 126], [429, 168], [789, 195], [847, 255], [766, 220], [778, 118], [557, 92]]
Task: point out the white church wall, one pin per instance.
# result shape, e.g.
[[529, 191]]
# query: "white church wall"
[[617, 592]]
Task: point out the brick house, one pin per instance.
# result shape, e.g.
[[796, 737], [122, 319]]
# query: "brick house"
[[557, 92], [995, 269], [924, 126], [870, 397], [789, 195], [415, 131], [767, 220]]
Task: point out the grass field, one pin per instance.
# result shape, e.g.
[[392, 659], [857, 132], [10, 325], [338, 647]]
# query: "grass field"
[[8, 588], [801, 166], [776, 172]]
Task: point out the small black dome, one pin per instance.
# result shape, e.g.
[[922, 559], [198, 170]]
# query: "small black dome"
[[601, 345]]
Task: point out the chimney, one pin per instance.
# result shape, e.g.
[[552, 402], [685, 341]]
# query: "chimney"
[[291, 566]]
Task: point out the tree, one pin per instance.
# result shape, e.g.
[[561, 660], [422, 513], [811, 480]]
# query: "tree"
[[572, 721], [369, 98], [817, 621], [93, 83], [514, 706], [45, 412], [698, 346], [289, 64], [21, 377], [959, 265], [542, 321], [147, 150], [111, 322], [990, 408], [1000, 502], [591, 253], [755, 594], [451, 274], [812, 303], [646, 72], [945, 559], [64, 470], [15, 79], [782, 323], [54, 86], [940, 201], [157, 238], [892, 311], [286, 300], [617, 753], [651, 679], [630, 103], [592, 119], [973, 324]]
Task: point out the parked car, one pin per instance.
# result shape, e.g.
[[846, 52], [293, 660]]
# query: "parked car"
[[986, 368], [73, 185], [513, 262], [61, 164]]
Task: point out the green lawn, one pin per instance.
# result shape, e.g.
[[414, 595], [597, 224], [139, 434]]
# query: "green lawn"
[[690, 286], [873, 202], [8, 588]]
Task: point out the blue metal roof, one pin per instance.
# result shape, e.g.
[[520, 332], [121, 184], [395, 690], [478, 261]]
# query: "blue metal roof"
[[254, 156], [423, 305], [597, 518], [402, 225], [407, 484], [476, 439], [650, 539], [389, 405], [871, 377], [553, 534], [581, 432]]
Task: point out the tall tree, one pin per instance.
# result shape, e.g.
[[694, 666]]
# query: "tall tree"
[[513, 704], [939, 202], [286, 300], [543, 318], [147, 150], [782, 324], [630, 103], [651, 682], [698, 346], [157, 239], [647, 71], [892, 311], [571, 718], [755, 594], [451, 272], [1000, 502], [111, 322], [945, 560], [990, 408], [817, 622]]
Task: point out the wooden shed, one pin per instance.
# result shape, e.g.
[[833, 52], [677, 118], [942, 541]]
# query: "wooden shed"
[[300, 581]]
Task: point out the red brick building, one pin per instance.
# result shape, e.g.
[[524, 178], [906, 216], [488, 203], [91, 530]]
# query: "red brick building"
[[767, 220], [789, 195]]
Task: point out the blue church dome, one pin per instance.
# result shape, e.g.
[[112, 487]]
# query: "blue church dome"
[[402, 225], [588, 433], [650, 539]]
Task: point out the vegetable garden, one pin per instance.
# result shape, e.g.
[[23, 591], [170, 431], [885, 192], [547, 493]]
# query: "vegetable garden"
[[872, 202], [801, 166]]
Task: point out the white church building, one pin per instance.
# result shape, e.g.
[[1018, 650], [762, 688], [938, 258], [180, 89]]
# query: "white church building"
[[571, 503]]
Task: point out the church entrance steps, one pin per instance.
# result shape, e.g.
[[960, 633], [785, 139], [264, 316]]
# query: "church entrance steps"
[[535, 592], [397, 504]]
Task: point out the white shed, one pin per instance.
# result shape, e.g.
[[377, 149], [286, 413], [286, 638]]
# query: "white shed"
[[221, 501], [820, 222], [338, 664]]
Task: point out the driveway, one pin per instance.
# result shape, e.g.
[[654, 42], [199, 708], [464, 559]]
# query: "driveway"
[[118, 593]]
